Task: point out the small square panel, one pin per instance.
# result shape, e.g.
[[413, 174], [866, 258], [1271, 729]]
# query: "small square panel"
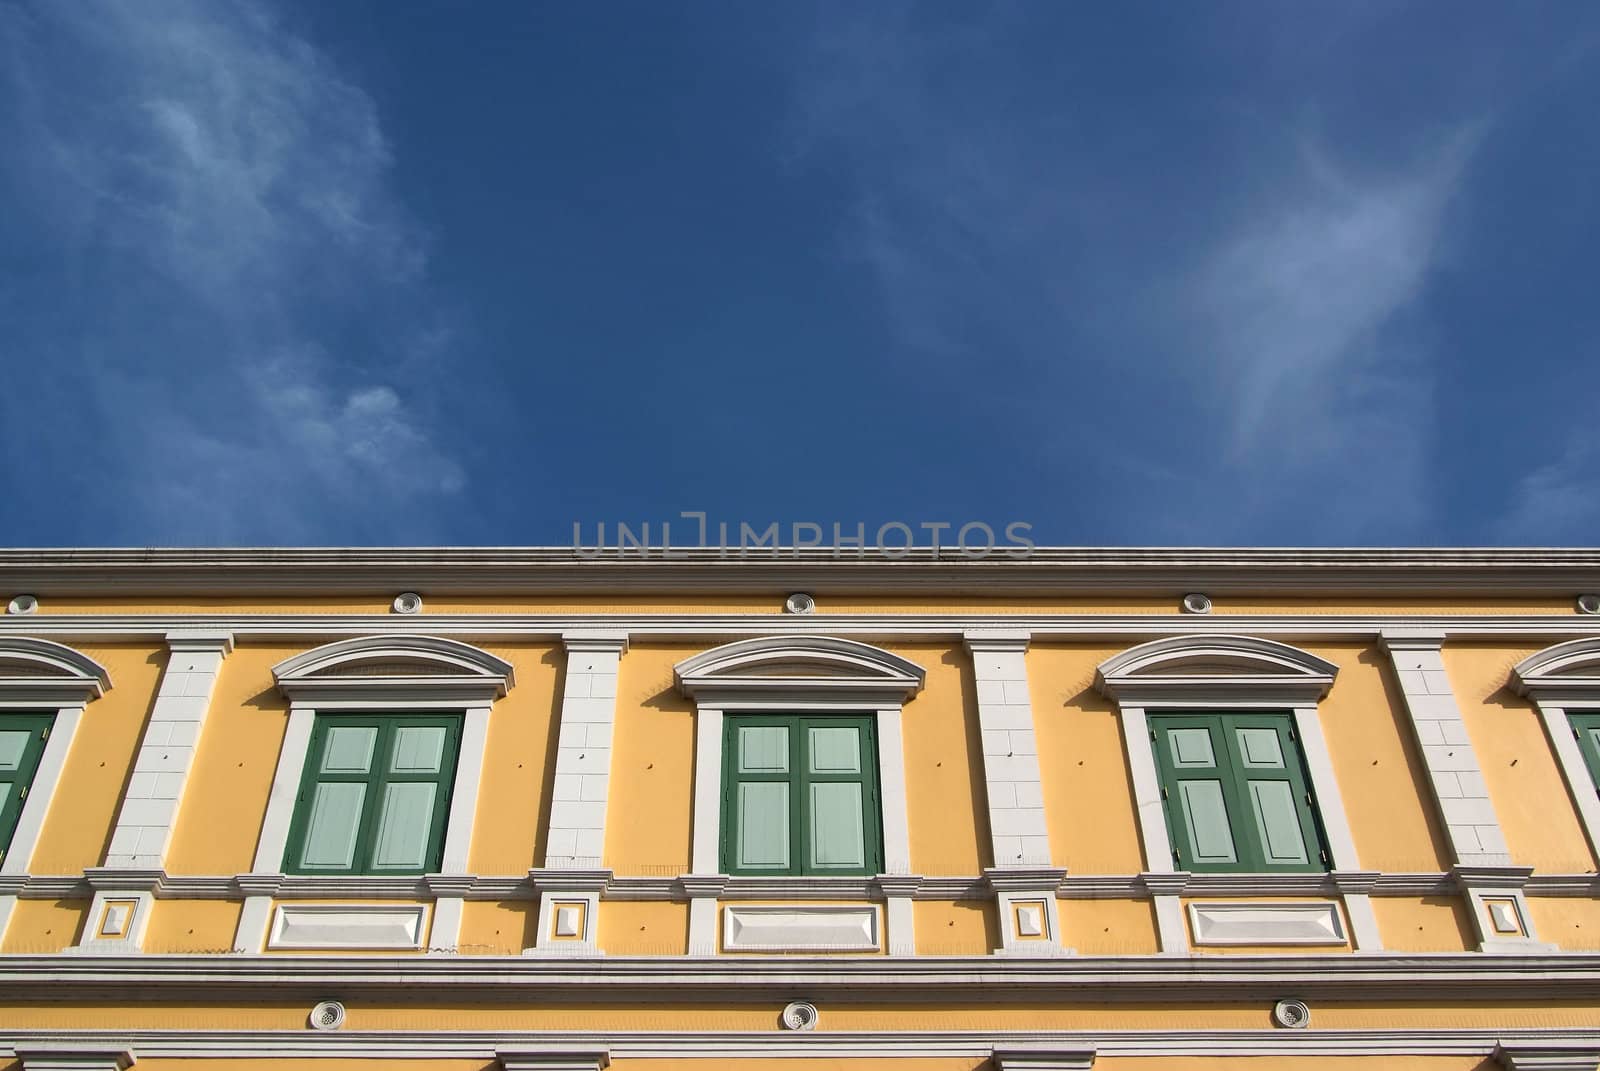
[[1030, 919], [1503, 916], [117, 917], [568, 920]]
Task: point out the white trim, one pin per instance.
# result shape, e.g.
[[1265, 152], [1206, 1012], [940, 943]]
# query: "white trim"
[[708, 791], [1325, 786], [892, 792], [1462, 803], [449, 658], [1561, 679], [1148, 808], [464, 794], [285, 786], [884, 1044], [1214, 922], [711, 627], [337, 927], [575, 835], [1013, 791], [148, 812], [796, 928], [25, 838], [63, 681]]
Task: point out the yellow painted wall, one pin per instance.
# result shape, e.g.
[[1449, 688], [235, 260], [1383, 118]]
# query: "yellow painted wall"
[[1426, 924], [519, 764], [192, 926], [83, 810], [1083, 768], [944, 765], [1572, 923], [225, 799], [1519, 767], [650, 812], [643, 928], [497, 928], [955, 928], [1381, 776], [40, 926], [1109, 927]]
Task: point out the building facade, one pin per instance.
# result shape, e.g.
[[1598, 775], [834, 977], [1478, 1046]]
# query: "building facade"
[[1136, 810]]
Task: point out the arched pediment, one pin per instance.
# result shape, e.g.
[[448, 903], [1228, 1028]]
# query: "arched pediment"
[[415, 665], [1563, 670], [777, 665], [1180, 668], [42, 670]]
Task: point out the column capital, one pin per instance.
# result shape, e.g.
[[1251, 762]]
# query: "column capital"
[[200, 640], [1412, 639], [610, 642], [998, 640]]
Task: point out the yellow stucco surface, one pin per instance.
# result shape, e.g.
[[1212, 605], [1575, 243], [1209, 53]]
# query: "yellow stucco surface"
[[497, 927], [1109, 927], [643, 928], [652, 766], [1083, 769], [39, 926], [1569, 922], [1426, 924], [192, 926], [1519, 767], [955, 928], [83, 809], [518, 764]]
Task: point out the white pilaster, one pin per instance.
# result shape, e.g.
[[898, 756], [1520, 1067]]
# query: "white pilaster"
[[576, 837], [161, 770], [1464, 807], [1010, 755]]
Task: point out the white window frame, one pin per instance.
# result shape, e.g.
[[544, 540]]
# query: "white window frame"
[[1230, 673], [798, 675], [1561, 679], [54, 678], [452, 676]]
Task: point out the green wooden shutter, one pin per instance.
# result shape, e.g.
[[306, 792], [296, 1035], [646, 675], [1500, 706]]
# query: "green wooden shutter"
[[1586, 727], [800, 796], [375, 795], [1236, 794], [1192, 758], [22, 738]]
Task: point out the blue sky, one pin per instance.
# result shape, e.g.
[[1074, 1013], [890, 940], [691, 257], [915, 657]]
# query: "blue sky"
[[379, 273]]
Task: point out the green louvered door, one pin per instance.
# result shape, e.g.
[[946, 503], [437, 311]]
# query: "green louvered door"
[[1586, 727], [1236, 793]]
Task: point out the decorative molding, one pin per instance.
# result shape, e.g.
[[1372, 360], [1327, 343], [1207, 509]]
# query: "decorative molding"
[[337, 927], [1460, 795], [712, 627], [1537, 1056], [36, 670], [1256, 923], [1013, 791], [1043, 1059], [1566, 977], [883, 1045], [1213, 668], [69, 1055], [433, 666], [546, 1059], [801, 929], [745, 670]]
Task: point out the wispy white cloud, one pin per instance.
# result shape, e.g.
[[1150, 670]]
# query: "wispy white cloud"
[[251, 294], [1254, 351], [1558, 503]]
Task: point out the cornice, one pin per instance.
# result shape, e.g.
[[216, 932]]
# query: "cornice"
[[1170, 571], [717, 627], [1564, 977]]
